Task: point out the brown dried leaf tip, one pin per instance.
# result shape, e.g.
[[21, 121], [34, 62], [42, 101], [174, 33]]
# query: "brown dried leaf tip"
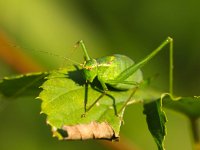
[[93, 130]]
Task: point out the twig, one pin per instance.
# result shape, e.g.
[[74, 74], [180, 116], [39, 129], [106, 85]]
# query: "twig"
[[195, 133]]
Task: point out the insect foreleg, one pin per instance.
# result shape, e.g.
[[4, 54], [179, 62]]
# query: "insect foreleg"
[[86, 97], [84, 49]]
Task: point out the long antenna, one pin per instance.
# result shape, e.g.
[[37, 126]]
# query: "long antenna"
[[49, 53], [53, 54]]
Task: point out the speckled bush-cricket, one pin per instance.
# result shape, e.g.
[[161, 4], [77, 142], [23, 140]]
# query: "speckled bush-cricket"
[[120, 72]]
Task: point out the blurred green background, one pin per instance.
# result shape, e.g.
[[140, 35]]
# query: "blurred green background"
[[129, 27]]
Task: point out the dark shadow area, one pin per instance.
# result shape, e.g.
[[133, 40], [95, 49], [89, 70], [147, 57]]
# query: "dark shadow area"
[[25, 85], [77, 76]]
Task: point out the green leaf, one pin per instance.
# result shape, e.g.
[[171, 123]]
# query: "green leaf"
[[22, 85], [156, 120], [63, 101], [190, 106]]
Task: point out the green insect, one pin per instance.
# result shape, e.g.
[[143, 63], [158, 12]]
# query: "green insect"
[[119, 71]]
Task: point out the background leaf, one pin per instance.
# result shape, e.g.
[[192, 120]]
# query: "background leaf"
[[190, 106], [156, 120], [22, 85]]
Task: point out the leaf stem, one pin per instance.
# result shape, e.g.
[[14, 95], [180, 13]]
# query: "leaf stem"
[[195, 133]]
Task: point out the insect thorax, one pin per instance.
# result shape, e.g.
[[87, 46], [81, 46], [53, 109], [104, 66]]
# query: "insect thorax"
[[90, 69]]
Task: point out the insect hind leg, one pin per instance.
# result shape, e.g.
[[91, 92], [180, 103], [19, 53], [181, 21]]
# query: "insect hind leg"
[[128, 100], [103, 93], [96, 101]]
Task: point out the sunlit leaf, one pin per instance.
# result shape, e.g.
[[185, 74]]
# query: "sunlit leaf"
[[63, 102]]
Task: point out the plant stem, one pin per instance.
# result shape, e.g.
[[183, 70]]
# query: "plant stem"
[[195, 133]]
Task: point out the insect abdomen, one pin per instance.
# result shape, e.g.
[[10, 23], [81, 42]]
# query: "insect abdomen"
[[110, 67]]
